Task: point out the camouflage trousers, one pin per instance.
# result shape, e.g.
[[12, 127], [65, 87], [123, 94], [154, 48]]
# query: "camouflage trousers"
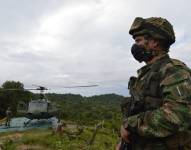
[[161, 144]]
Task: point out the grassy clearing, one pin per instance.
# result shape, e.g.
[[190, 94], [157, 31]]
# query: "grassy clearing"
[[45, 139]]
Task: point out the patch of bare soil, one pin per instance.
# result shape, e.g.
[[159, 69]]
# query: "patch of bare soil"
[[31, 147], [12, 137]]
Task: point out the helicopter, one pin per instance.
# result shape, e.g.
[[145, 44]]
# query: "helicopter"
[[40, 108]]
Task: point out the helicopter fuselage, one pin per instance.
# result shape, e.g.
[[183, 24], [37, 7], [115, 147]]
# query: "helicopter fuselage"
[[39, 109]]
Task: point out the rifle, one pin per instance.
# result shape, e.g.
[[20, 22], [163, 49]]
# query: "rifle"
[[127, 109]]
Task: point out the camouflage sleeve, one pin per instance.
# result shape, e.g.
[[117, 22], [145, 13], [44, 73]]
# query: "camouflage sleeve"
[[175, 113]]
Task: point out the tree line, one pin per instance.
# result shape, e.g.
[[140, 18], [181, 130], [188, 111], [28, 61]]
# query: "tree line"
[[74, 107]]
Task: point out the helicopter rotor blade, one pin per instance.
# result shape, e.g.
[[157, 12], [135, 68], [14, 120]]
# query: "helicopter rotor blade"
[[42, 88], [38, 89], [80, 86], [30, 89], [12, 89]]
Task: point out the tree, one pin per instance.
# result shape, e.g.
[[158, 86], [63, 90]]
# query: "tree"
[[13, 85], [12, 92]]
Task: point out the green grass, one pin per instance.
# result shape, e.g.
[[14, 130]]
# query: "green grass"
[[105, 140]]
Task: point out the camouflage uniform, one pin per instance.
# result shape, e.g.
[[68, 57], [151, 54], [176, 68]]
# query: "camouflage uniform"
[[8, 117], [162, 93]]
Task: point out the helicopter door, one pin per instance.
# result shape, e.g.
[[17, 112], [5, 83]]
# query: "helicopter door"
[[37, 107]]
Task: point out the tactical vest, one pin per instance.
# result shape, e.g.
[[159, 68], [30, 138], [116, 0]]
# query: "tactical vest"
[[146, 90], [147, 95]]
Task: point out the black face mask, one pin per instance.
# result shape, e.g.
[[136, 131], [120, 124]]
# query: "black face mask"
[[141, 54]]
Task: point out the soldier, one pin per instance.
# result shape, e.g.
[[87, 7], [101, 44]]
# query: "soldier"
[[160, 117], [8, 117]]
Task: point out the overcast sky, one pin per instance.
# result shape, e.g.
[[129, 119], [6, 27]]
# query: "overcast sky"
[[57, 43]]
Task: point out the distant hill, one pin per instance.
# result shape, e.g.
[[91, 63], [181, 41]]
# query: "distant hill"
[[88, 109]]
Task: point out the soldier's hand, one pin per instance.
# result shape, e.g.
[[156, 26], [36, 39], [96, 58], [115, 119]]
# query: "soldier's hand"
[[117, 147], [125, 134]]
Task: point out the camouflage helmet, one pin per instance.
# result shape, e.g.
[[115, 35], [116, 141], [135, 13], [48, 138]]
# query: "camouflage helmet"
[[156, 27]]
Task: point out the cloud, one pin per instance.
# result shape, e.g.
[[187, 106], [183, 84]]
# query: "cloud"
[[76, 42]]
